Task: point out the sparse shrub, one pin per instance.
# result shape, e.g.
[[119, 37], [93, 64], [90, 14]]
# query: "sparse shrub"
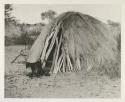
[[22, 39], [110, 68], [8, 41]]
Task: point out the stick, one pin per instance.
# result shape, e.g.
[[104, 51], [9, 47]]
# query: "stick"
[[61, 64], [15, 58], [54, 57], [21, 54], [69, 63], [78, 66], [57, 66], [57, 54], [63, 61]]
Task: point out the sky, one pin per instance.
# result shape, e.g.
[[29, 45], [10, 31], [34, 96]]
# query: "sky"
[[30, 13]]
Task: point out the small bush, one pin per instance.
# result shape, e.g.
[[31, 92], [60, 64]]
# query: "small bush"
[[23, 39], [8, 41], [110, 68]]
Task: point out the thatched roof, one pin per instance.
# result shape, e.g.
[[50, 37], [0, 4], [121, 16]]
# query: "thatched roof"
[[87, 41]]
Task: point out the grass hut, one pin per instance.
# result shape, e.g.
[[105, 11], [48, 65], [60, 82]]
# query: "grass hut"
[[74, 42]]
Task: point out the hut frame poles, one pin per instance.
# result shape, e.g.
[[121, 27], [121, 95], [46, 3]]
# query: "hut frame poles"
[[45, 54], [61, 60], [62, 63], [52, 44], [45, 47]]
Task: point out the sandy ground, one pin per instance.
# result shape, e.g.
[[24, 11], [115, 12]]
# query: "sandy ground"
[[66, 85]]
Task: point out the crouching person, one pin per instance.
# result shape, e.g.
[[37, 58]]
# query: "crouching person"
[[36, 68]]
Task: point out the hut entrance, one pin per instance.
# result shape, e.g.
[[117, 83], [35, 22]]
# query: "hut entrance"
[[49, 61]]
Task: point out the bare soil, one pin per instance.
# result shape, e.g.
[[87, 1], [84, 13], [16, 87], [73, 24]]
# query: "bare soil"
[[62, 85]]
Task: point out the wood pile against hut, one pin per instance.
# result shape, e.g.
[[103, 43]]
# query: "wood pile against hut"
[[74, 42]]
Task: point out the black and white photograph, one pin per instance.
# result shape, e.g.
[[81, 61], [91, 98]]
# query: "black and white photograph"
[[62, 51]]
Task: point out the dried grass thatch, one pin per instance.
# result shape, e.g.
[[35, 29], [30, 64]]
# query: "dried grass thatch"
[[75, 41]]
